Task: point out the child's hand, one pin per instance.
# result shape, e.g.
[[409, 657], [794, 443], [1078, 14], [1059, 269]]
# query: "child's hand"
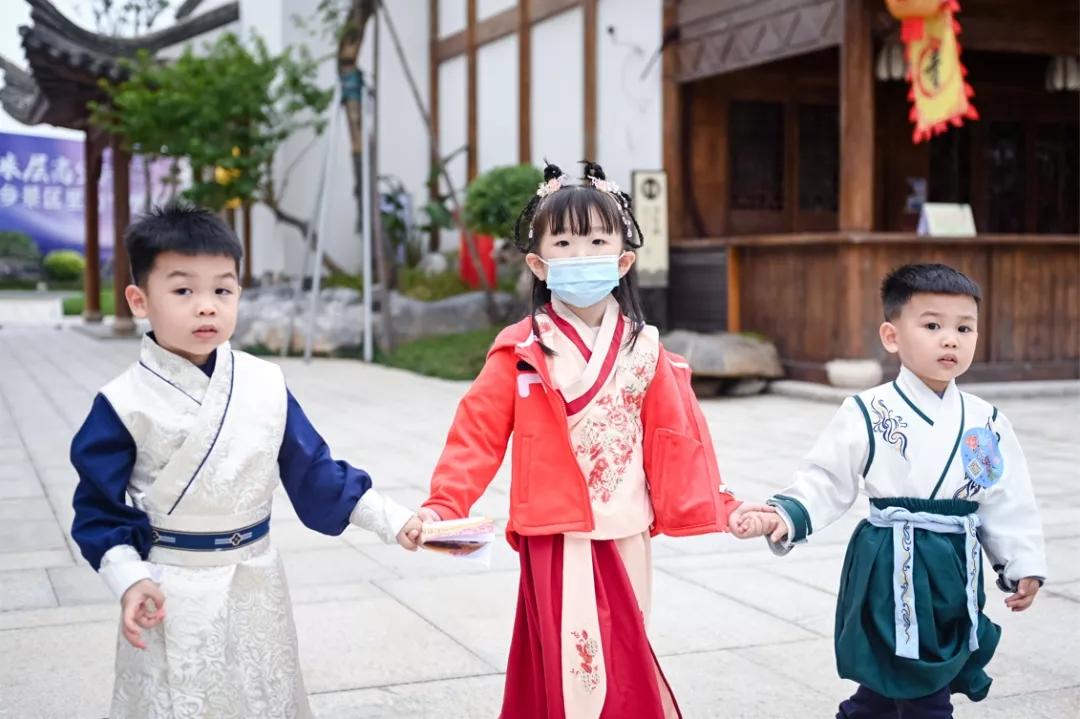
[[751, 520], [756, 524], [410, 534], [136, 614], [428, 515], [1025, 595]]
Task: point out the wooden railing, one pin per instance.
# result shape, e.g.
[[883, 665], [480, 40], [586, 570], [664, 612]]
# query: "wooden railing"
[[816, 296]]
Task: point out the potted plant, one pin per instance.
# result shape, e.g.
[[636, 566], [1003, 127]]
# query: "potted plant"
[[493, 202]]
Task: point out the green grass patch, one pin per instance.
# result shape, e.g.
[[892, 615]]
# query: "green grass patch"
[[456, 357], [74, 306]]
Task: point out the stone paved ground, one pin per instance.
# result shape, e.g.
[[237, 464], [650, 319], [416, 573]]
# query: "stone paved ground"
[[388, 634]]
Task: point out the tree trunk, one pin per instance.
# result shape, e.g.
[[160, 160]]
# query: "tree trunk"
[[352, 37], [378, 236]]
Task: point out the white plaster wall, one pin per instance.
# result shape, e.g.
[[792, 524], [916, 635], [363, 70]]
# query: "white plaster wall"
[[452, 16], [487, 8], [558, 102], [629, 109], [453, 129], [497, 103]]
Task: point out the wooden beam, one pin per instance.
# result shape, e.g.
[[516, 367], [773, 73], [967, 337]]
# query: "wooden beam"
[[524, 31], [734, 305], [92, 274], [121, 159], [433, 102], [856, 118], [470, 81], [672, 100], [591, 13], [498, 26]]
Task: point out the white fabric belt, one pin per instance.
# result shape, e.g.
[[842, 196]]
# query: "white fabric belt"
[[903, 524]]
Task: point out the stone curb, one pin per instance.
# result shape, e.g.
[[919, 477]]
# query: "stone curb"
[[990, 391]]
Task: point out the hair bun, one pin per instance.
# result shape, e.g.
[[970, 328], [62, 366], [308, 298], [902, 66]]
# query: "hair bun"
[[552, 172], [593, 171]]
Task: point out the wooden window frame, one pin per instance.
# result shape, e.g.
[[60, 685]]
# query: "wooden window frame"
[[790, 92]]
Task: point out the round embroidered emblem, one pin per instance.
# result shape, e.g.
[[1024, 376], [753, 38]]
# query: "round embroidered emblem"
[[983, 463]]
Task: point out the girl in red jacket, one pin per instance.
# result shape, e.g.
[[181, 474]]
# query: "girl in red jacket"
[[610, 448]]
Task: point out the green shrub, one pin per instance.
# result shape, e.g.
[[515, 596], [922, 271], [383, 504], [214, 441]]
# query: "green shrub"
[[19, 246], [415, 283], [494, 200], [343, 279], [64, 265]]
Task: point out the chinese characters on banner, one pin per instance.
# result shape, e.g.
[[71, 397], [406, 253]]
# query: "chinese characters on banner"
[[940, 95], [43, 191]]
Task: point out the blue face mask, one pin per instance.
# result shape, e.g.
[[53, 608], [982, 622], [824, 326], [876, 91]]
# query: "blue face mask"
[[583, 281]]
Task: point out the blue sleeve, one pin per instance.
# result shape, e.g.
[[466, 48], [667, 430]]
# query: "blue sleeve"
[[103, 454], [323, 491]]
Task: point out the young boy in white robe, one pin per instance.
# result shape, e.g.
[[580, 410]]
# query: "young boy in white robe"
[[199, 435], [947, 480]]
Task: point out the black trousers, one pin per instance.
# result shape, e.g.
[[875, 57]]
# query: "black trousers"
[[866, 704]]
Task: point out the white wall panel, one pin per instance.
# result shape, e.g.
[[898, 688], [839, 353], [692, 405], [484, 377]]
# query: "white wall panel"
[[452, 16], [453, 130], [497, 103], [629, 110], [558, 103]]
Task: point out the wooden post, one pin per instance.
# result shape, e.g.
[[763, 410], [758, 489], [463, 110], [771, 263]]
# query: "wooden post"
[[856, 161], [857, 118], [124, 324], [734, 303], [672, 99], [433, 90], [524, 81], [92, 273], [591, 13], [470, 81], [247, 244]]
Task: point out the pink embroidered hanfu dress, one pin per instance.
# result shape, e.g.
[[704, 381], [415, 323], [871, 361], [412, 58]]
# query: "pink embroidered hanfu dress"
[[580, 648]]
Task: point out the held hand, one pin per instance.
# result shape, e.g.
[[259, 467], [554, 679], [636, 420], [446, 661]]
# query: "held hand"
[[751, 520], [410, 534], [428, 515], [1025, 595], [135, 613], [756, 524]]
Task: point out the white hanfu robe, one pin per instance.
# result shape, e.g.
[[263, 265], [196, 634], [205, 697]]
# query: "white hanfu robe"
[[200, 452], [947, 479]]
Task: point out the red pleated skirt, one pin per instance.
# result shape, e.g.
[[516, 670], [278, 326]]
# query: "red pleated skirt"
[[534, 672]]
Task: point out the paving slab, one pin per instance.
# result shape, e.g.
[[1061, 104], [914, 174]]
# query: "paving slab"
[[385, 633]]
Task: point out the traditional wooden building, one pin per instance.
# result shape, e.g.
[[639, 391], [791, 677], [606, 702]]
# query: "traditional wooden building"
[[66, 63], [795, 184]]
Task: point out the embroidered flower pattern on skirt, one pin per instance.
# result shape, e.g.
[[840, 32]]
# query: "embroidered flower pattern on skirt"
[[612, 430], [588, 670]]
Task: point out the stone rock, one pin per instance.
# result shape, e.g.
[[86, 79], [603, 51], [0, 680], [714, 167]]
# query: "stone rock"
[[265, 314], [434, 264], [854, 374], [747, 387], [726, 355]]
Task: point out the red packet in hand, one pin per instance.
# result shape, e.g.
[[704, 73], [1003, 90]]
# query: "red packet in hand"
[[468, 538]]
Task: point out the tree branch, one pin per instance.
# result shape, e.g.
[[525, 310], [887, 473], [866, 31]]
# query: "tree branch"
[[291, 220]]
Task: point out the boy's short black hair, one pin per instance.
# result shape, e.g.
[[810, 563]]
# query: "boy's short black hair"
[[182, 228], [903, 282]]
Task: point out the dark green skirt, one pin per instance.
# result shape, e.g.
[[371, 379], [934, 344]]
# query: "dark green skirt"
[[865, 629]]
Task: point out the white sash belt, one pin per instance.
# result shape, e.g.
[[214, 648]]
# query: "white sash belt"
[[904, 524]]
